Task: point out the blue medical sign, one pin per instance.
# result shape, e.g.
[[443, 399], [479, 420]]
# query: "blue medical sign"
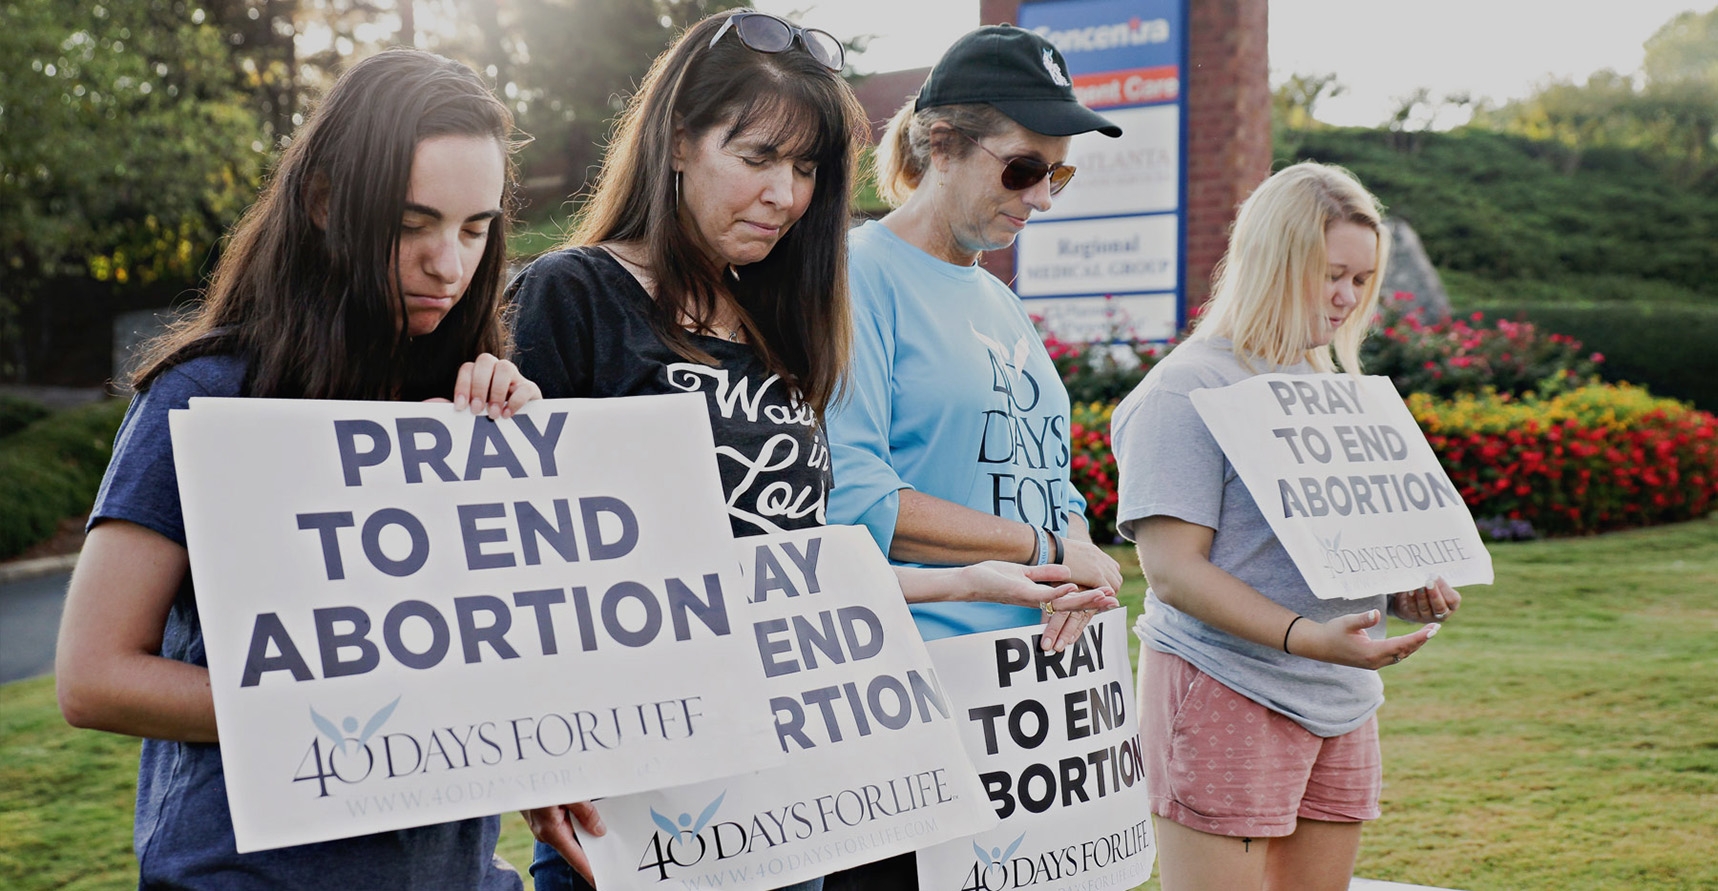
[[1105, 262], [1109, 35]]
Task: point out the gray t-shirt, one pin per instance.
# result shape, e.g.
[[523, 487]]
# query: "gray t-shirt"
[[1171, 466]]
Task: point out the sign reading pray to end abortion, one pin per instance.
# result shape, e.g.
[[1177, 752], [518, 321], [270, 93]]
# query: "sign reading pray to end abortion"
[[1347, 481], [874, 766], [1056, 742], [413, 615]]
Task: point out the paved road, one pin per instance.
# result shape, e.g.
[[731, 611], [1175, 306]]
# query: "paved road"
[[29, 621]]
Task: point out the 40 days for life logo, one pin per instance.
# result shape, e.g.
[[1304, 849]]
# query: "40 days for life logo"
[[1091, 861], [682, 843], [340, 761], [990, 869]]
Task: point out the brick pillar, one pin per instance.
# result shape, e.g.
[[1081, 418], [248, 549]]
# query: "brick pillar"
[[1228, 126], [999, 12]]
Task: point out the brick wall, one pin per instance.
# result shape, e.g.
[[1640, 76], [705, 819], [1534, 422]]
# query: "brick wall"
[[1228, 121]]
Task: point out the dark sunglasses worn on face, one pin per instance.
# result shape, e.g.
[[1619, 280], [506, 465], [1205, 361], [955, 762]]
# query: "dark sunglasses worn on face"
[[765, 33], [1023, 173]]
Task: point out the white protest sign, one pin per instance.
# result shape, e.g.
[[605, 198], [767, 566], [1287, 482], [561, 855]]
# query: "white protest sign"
[[1056, 742], [1347, 481], [875, 765], [413, 615]]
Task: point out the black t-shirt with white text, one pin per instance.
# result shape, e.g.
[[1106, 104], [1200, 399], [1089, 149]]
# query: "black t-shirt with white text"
[[582, 329]]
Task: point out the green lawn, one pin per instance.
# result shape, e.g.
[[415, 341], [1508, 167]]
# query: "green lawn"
[[1561, 734]]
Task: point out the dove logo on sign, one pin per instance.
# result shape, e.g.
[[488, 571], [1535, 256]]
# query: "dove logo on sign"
[[990, 870], [686, 825], [346, 757], [680, 842]]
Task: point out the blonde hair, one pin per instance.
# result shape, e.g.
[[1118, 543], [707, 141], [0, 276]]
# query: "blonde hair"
[[1275, 268], [904, 153]]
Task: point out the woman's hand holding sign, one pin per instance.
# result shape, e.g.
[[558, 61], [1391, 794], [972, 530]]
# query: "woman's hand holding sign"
[[553, 826], [491, 386], [1432, 603]]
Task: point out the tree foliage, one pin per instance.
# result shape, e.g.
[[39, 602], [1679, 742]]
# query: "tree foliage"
[[1670, 111], [578, 61], [125, 148], [1296, 99]]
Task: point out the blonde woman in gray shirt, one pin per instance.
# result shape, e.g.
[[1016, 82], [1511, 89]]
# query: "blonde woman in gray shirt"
[[1257, 698]]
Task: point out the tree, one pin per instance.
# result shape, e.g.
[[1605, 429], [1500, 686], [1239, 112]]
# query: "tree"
[[1294, 101], [1670, 111], [1684, 49], [125, 149], [263, 58], [577, 62], [1681, 94]]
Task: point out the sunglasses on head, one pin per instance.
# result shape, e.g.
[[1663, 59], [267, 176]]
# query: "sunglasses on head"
[[1023, 173], [765, 33]]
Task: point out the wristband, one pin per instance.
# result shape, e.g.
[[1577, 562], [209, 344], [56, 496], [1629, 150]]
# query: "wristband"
[[1043, 546], [1057, 551], [1289, 629]]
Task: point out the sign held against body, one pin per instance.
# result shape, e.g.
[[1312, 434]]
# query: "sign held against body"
[[874, 761], [413, 615], [1347, 481], [1057, 747]]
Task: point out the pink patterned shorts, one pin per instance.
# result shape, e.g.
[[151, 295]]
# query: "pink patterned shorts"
[[1218, 762]]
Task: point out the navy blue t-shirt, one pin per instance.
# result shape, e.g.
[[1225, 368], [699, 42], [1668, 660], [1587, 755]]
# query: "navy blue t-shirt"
[[184, 832]]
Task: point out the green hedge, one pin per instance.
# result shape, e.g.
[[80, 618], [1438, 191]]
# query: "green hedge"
[[16, 413], [1501, 207], [1468, 291], [51, 470], [1670, 349]]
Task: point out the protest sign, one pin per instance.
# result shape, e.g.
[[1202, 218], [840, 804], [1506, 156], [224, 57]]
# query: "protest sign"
[[1056, 742], [1347, 481], [874, 763], [413, 615]]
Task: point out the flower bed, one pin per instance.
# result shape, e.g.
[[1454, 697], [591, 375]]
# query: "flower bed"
[[1470, 355], [1093, 466], [1595, 458]]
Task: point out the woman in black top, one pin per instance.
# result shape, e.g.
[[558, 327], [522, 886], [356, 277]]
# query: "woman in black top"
[[711, 259]]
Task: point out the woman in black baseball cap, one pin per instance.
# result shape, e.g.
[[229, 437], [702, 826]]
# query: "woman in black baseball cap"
[[951, 443]]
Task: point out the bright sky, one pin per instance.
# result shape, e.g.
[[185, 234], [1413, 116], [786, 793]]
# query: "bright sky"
[[1379, 49]]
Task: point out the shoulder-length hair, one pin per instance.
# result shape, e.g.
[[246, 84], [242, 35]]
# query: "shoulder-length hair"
[[794, 301], [316, 308], [910, 142], [1277, 263]]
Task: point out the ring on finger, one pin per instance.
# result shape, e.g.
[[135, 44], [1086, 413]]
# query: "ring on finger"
[[1049, 607], [1395, 658]]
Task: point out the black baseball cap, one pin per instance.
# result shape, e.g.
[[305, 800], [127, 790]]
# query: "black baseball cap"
[[1016, 72]]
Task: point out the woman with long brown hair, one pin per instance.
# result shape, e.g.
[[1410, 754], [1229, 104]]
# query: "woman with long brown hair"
[[370, 268], [711, 260]]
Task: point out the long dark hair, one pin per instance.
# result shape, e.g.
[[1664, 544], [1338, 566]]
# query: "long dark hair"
[[317, 310], [794, 301]]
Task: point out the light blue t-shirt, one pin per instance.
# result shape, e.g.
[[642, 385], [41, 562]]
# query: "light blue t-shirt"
[[1170, 465], [953, 395]]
